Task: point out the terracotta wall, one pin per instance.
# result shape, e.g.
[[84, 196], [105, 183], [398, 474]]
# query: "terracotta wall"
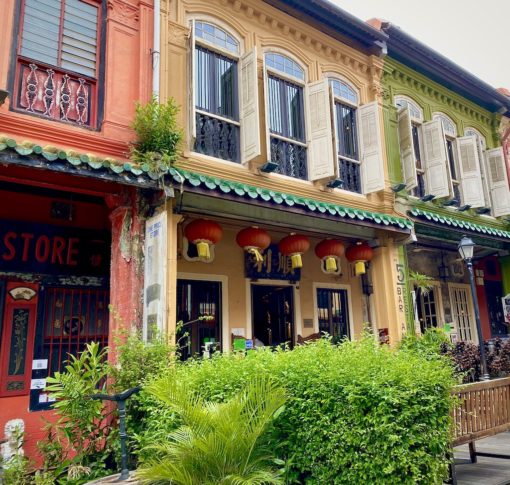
[[128, 79]]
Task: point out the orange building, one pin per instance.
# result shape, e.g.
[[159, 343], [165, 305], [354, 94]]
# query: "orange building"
[[71, 227]]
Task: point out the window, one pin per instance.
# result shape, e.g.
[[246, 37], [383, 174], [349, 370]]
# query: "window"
[[215, 93], [346, 127], [428, 308], [410, 118], [58, 60], [333, 312], [285, 115]]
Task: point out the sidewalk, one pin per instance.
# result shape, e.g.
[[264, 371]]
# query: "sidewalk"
[[487, 471]]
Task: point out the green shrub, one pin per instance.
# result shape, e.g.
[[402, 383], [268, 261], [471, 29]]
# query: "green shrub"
[[217, 443], [159, 135], [356, 413]]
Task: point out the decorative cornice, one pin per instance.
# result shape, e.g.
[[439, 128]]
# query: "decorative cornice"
[[321, 43], [177, 34], [123, 13]]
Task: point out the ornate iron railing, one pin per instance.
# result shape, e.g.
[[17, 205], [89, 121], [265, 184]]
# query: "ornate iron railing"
[[290, 157], [350, 175], [217, 138], [55, 94]]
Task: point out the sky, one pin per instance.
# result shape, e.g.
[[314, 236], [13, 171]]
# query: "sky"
[[472, 33]]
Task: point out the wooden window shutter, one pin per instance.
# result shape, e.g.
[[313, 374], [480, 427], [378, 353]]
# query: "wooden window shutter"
[[470, 175], [250, 116], [435, 159], [407, 156], [192, 123], [372, 160], [267, 109], [321, 158], [498, 182]]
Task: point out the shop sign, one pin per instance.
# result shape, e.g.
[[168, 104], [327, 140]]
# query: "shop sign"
[[154, 305], [53, 250], [274, 266]]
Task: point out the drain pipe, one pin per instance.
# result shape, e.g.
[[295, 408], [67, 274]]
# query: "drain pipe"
[[156, 49]]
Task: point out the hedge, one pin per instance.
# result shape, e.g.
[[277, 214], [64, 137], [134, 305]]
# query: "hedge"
[[356, 412]]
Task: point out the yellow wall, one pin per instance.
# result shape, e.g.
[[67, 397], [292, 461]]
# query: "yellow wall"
[[229, 263]]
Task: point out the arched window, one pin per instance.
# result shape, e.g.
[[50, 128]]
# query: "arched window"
[[414, 110], [346, 131], [216, 36], [448, 125], [216, 122], [342, 90], [285, 115], [479, 137]]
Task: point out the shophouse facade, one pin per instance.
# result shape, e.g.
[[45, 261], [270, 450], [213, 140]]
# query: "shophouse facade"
[[447, 165], [282, 105], [72, 207]]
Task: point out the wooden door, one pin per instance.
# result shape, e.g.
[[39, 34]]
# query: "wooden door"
[[462, 312]]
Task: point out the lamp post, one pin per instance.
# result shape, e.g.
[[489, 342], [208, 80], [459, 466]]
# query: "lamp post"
[[466, 248]]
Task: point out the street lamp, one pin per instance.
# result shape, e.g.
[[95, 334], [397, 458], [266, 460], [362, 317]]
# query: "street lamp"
[[466, 248]]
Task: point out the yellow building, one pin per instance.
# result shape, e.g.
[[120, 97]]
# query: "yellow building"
[[282, 104]]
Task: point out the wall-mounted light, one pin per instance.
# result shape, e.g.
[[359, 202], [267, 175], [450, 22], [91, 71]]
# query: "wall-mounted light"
[[427, 198], [335, 184], [269, 167], [398, 187], [450, 202], [464, 208], [483, 210]]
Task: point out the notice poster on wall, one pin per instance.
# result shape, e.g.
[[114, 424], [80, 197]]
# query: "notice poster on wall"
[[505, 301], [154, 302]]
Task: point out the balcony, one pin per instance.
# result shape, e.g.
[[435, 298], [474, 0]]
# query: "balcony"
[[290, 157], [55, 94], [350, 175], [217, 137]]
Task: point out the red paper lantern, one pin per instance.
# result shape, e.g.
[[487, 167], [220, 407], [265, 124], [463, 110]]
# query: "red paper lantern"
[[254, 240], [359, 254], [294, 246], [203, 233], [330, 250]]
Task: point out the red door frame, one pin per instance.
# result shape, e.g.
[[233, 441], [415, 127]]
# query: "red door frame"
[[11, 304]]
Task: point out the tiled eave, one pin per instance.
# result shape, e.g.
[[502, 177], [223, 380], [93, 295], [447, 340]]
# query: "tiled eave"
[[252, 193], [32, 155], [458, 224]]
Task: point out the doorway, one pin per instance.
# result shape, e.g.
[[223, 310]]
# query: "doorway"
[[493, 293], [462, 311], [273, 315]]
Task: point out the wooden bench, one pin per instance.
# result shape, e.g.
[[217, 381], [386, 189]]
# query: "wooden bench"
[[483, 411]]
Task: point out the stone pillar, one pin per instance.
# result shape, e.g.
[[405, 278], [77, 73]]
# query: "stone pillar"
[[172, 256], [126, 273], [388, 277]]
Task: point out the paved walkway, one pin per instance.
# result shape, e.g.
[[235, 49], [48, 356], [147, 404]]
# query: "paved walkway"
[[487, 471]]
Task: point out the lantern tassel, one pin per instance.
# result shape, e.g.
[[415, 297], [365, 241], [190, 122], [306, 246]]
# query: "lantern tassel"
[[203, 250], [359, 268], [256, 253], [296, 261], [331, 266]]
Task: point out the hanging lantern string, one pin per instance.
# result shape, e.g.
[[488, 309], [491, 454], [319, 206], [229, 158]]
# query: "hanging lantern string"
[[258, 256]]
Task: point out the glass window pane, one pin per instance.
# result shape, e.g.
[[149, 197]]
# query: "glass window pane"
[[347, 137], [342, 90], [285, 65], [216, 36]]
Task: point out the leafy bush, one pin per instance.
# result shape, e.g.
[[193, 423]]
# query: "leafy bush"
[[159, 135], [217, 443], [356, 413]]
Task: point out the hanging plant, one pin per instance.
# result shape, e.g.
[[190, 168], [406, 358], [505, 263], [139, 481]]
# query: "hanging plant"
[[421, 281], [159, 136]]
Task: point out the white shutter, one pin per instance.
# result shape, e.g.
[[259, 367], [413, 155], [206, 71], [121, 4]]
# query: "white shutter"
[[192, 124], [407, 157], [372, 161], [266, 112], [436, 163], [498, 182], [250, 131], [470, 175], [321, 160], [334, 127]]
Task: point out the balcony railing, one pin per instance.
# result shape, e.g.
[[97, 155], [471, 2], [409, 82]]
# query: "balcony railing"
[[350, 175], [55, 94], [217, 137], [290, 158]]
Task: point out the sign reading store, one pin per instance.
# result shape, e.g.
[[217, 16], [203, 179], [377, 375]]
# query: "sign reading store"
[[48, 249]]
